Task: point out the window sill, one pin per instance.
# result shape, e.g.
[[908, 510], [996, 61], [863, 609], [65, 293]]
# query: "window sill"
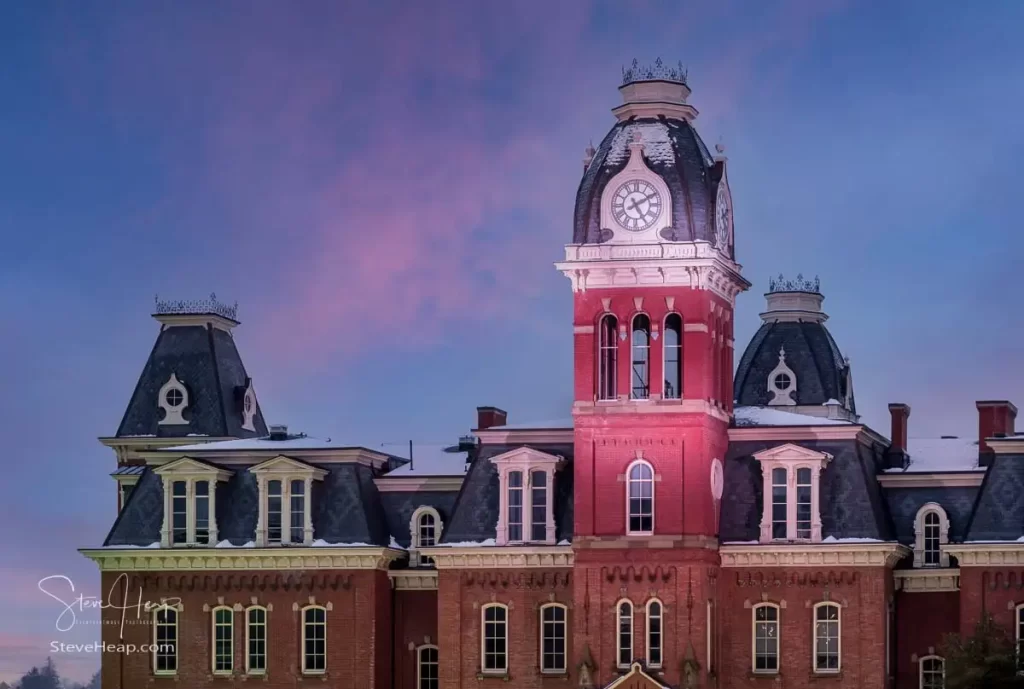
[[564, 674], [314, 673], [165, 673], [764, 674], [826, 675], [494, 674]]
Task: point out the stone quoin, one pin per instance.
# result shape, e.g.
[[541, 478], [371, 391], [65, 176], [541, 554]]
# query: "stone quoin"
[[683, 526]]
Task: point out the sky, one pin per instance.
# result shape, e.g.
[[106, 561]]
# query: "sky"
[[383, 188]]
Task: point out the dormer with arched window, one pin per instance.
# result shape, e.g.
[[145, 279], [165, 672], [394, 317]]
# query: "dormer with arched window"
[[931, 532], [425, 531]]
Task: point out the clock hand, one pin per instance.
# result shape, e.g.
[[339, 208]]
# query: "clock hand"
[[635, 203]]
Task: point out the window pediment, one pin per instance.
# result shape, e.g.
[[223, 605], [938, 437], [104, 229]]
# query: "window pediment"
[[791, 452], [527, 457], [187, 467], [286, 466]]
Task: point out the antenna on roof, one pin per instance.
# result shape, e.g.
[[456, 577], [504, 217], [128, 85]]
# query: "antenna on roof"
[[410, 455]]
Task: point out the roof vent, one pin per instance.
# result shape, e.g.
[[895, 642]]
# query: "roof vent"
[[279, 432], [467, 443]]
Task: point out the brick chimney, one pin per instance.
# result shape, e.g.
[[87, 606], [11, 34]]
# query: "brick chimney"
[[995, 419], [488, 417], [897, 456]]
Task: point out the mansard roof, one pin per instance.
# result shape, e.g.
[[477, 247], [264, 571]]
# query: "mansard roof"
[[998, 513]]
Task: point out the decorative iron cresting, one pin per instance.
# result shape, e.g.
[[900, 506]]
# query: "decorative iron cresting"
[[781, 284], [196, 307], [659, 71]]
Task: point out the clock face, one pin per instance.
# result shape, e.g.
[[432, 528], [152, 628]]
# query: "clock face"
[[722, 220], [717, 479], [636, 205]]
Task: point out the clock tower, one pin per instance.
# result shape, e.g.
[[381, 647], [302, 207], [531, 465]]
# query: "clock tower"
[[654, 279]]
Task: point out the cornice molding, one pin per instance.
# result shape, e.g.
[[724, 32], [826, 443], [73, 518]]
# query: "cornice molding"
[[416, 484], [201, 559], [883, 554], [1008, 553], [511, 437], [926, 580], [932, 480], [862, 434], [500, 557], [1006, 446], [651, 406], [413, 579], [353, 455]]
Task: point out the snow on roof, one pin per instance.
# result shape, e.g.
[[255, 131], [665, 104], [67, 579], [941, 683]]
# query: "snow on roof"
[[941, 454], [265, 443], [433, 460], [536, 425], [655, 137], [773, 416]]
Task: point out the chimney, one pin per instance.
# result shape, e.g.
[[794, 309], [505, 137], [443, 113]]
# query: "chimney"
[[489, 417], [995, 419], [897, 456]]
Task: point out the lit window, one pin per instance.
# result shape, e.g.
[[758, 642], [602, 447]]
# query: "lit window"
[[223, 641], [933, 672], [515, 506], [826, 637], [654, 640], [552, 640], [931, 531], [165, 641], [314, 640], [641, 358], [425, 528], [791, 496], [779, 502], [494, 638], [673, 343], [526, 504], [803, 503], [766, 638], [607, 387], [427, 668], [256, 641], [640, 487], [625, 633]]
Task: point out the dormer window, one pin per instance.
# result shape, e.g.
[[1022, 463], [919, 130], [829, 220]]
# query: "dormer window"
[[782, 382], [791, 493], [425, 532], [285, 487], [173, 399], [190, 502], [248, 406], [526, 503], [931, 532]]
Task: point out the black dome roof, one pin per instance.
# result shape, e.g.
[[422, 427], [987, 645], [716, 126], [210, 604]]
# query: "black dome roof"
[[674, 151]]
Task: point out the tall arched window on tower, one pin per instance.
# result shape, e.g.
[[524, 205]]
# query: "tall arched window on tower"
[[607, 389], [640, 498], [624, 613], [672, 341], [641, 358]]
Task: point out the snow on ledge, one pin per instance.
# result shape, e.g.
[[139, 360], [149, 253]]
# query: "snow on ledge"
[[775, 416], [467, 544], [155, 544], [228, 544]]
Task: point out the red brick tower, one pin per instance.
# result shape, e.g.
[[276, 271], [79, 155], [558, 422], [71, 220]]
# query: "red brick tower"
[[654, 282]]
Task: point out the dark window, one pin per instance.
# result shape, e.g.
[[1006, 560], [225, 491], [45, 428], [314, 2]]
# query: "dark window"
[[314, 656], [641, 498], [202, 511], [782, 381], [673, 344], [495, 638], [826, 638], [274, 511], [779, 517], [625, 641], [933, 673], [515, 506], [538, 506], [654, 633], [179, 512], [257, 640], [165, 655], [553, 635], [641, 359], [803, 503], [223, 642], [607, 356], [766, 638], [429, 678], [174, 397], [297, 523], [931, 539]]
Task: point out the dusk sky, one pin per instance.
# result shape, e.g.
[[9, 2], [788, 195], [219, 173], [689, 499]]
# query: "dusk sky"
[[384, 187]]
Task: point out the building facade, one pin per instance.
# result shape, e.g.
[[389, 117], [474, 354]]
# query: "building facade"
[[696, 521]]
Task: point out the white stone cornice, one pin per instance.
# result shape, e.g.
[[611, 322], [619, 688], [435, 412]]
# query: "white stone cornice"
[[651, 406], [204, 559], [866, 554], [416, 484], [837, 432], [500, 557], [413, 579], [515, 436], [940, 480], [1006, 446], [926, 580], [1009, 553]]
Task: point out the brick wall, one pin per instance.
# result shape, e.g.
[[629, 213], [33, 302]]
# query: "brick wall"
[[996, 590], [922, 621], [415, 625]]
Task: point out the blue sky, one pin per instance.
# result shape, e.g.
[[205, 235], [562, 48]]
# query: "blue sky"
[[384, 188]]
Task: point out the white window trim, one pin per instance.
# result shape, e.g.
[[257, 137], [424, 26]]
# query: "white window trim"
[[664, 346], [814, 638], [483, 640], [190, 471], [249, 398], [285, 470], [172, 414], [650, 339], [647, 632], [302, 650], [266, 640], [177, 640], [919, 534], [1016, 630], [124, 481], [527, 460], [213, 642], [654, 478], [778, 639], [419, 663], [618, 632], [600, 358], [782, 396], [415, 557], [920, 669], [791, 458], [565, 628]]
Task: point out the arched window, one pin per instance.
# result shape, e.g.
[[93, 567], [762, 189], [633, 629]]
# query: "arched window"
[[640, 498], [552, 637], [766, 638], [826, 637], [223, 637], [931, 532], [641, 358], [672, 343], [165, 641], [427, 676], [654, 633], [624, 612], [779, 520], [607, 387], [931, 539], [314, 640], [256, 640], [803, 502], [494, 638], [933, 672], [425, 530]]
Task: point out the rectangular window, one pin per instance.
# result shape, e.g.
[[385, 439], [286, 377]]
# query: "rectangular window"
[[803, 503], [298, 512], [202, 502], [495, 639], [515, 506], [552, 652], [766, 638], [274, 512], [625, 632], [223, 641], [256, 662], [126, 492], [826, 638], [538, 506], [165, 640], [428, 668], [314, 641], [779, 525], [179, 512]]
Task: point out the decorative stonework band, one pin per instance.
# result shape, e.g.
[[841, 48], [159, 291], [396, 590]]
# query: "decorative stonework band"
[[163, 559]]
